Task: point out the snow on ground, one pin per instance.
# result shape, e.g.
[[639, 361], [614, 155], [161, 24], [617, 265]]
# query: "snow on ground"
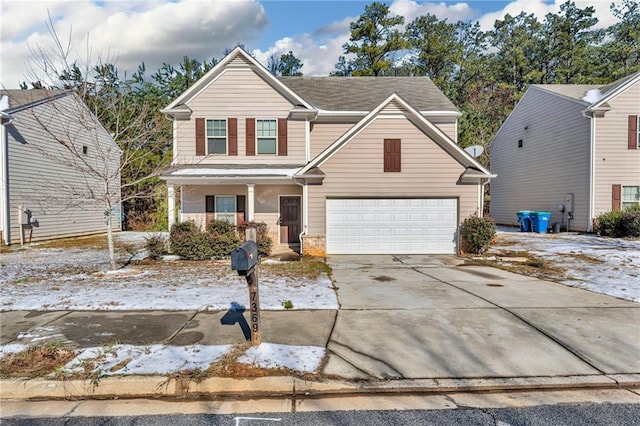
[[47, 279], [67, 279], [603, 265]]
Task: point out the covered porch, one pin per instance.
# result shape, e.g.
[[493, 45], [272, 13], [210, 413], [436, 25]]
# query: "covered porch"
[[240, 194]]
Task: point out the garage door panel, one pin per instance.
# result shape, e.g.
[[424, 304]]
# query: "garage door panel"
[[394, 226]]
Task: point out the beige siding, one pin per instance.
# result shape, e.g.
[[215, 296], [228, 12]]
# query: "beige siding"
[[242, 94], [267, 202], [447, 125], [53, 184], [324, 134], [553, 161], [614, 162], [357, 171]]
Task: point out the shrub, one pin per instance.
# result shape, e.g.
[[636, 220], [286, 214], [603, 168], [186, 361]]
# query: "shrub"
[[477, 233], [224, 238], [264, 242], [630, 224], [608, 224], [155, 245], [189, 242], [618, 223], [221, 227]]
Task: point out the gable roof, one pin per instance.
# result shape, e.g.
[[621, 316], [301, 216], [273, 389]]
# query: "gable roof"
[[21, 99], [363, 94], [418, 120], [579, 91], [214, 72]]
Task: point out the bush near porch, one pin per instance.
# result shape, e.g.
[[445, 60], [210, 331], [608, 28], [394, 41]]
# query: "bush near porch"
[[220, 238]]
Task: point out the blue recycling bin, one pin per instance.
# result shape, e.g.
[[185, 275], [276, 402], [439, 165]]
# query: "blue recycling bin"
[[524, 220], [539, 221]]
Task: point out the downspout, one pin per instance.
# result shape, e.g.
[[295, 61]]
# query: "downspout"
[[4, 187], [305, 196], [592, 167]]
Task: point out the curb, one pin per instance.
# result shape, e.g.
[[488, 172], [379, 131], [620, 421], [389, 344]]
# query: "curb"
[[283, 386]]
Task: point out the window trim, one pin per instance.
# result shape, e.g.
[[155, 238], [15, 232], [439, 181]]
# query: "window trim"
[[207, 137], [637, 131], [235, 208], [629, 203], [258, 137]]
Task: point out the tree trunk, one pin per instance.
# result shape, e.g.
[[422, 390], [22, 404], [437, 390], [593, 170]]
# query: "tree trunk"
[[112, 251]]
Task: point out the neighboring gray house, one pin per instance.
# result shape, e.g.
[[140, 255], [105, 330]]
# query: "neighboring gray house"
[[575, 145], [58, 165], [343, 165]]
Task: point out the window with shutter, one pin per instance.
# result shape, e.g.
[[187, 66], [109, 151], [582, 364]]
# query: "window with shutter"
[[232, 124], [282, 136], [392, 155], [250, 136], [633, 129], [266, 136], [200, 137], [216, 136]]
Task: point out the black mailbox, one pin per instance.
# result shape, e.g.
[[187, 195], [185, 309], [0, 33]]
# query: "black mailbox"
[[245, 258]]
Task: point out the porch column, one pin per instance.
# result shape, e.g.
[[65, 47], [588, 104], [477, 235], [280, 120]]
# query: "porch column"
[[251, 202], [171, 205]]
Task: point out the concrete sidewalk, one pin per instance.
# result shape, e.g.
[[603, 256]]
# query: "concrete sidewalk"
[[431, 323]]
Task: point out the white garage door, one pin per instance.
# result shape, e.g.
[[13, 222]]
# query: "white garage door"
[[395, 226]]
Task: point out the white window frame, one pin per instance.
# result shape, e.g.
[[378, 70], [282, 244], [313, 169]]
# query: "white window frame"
[[629, 202], [217, 137], [274, 137], [638, 132], [226, 215]]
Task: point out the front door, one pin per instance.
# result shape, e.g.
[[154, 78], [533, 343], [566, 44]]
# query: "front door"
[[290, 222]]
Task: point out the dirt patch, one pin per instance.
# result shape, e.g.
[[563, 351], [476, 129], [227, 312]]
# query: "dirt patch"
[[36, 361], [384, 278], [305, 268]]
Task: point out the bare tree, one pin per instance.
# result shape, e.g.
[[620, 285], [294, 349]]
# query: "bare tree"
[[110, 139]]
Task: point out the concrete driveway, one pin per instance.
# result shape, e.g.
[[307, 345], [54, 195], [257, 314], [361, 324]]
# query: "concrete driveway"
[[411, 317]]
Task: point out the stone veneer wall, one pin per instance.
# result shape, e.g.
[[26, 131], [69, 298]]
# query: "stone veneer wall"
[[313, 245]]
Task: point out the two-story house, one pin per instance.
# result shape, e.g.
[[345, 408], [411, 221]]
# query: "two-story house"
[[57, 166], [569, 147], [339, 165]]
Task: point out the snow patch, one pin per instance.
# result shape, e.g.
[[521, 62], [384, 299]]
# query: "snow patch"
[[593, 96], [304, 359]]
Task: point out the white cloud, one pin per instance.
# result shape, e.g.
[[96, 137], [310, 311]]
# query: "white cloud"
[[540, 8], [157, 31], [127, 32]]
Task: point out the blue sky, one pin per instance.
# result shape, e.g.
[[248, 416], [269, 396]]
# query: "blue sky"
[[156, 31]]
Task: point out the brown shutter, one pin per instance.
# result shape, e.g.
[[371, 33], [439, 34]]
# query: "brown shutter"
[[241, 202], [632, 139], [282, 136], [210, 203], [251, 136], [200, 137], [232, 129], [392, 155], [615, 197]]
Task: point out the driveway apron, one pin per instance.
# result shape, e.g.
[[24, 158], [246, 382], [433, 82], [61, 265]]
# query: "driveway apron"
[[415, 317]]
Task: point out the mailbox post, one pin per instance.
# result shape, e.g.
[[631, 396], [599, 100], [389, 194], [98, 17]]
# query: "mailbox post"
[[244, 259]]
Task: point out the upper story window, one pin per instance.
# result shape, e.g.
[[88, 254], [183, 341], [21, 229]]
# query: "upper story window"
[[266, 133], [216, 136]]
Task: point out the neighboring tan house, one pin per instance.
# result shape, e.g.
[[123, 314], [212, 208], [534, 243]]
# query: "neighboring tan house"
[[49, 142], [341, 165], [572, 145]]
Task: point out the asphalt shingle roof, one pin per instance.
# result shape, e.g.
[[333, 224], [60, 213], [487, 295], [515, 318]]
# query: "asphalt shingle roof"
[[19, 98], [366, 93]]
